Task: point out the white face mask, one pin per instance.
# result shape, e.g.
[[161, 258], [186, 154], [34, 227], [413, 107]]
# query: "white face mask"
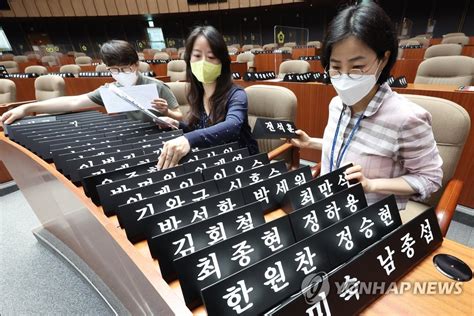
[[351, 90], [126, 79]]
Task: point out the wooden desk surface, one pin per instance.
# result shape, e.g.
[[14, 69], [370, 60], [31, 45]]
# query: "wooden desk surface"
[[140, 255], [425, 304]]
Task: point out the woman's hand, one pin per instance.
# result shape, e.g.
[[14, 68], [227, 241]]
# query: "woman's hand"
[[173, 151], [303, 141], [13, 115], [161, 105], [355, 172]]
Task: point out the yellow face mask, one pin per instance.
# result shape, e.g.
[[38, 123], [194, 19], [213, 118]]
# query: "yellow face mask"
[[205, 71]]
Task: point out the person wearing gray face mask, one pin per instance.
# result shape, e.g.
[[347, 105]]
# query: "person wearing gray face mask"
[[388, 138], [122, 61]]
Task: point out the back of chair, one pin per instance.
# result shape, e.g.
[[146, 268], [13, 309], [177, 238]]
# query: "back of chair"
[[246, 57], [79, 54], [36, 69], [247, 47], [409, 42], [316, 44], [293, 66], [7, 91], [83, 60], [7, 57], [48, 87], [461, 40], [143, 66], [33, 56], [176, 70], [180, 91], [270, 46], [161, 55], [451, 125], [271, 102], [290, 44], [141, 56], [449, 70], [20, 58], [11, 66], [100, 67], [443, 50], [72, 68], [50, 60], [232, 49], [453, 34]]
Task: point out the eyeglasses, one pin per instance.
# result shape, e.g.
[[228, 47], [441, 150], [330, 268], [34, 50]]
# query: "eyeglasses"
[[116, 70], [354, 73]]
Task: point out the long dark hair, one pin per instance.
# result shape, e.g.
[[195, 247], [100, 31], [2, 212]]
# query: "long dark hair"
[[370, 24], [195, 96]]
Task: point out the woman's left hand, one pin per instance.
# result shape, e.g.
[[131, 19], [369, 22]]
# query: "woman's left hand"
[[173, 151], [355, 172]]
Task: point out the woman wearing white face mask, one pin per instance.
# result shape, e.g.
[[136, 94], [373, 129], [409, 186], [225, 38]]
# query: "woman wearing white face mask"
[[122, 61], [388, 138], [218, 113]]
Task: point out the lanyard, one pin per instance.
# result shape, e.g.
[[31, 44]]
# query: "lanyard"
[[344, 148]]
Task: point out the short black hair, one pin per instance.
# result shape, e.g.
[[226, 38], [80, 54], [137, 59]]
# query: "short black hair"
[[369, 23], [117, 52]]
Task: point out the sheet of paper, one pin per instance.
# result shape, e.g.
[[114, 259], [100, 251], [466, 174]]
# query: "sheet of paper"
[[143, 94]]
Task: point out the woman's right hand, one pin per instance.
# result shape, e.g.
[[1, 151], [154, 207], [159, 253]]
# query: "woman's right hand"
[[13, 115], [303, 141]]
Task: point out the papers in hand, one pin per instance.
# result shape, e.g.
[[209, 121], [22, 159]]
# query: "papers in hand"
[[127, 99]]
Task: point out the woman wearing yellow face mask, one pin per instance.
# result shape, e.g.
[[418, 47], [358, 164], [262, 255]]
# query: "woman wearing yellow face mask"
[[218, 113]]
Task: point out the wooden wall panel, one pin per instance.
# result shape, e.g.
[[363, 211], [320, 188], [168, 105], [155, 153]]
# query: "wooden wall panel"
[[132, 7], [89, 6], [255, 3], [43, 8], [55, 8], [31, 8], [173, 6], [111, 7], [100, 7], [193, 8], [213, 6], [18, 8], [224, 5], [67, 7], [163, 6], [244, 3], [203, 7], [121, 7], [265, 2], [276, 1], [142, 7], [79, 9], [183, 5], [234, 4], [152, 6]]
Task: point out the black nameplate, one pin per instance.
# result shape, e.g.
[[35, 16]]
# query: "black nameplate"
[[271, 129], [202, 164], [154, 184], [128, 214], [186, 240], [233, 167], [202, 153], [388, 260], [323, 213], [280, 275], [192, 213], [73, 167], [270, 192], [86, 175], [315, 190], [211, 264], [47, 149], [252, 176]]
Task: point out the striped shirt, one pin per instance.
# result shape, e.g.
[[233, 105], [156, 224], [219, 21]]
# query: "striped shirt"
[[394, 139]]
